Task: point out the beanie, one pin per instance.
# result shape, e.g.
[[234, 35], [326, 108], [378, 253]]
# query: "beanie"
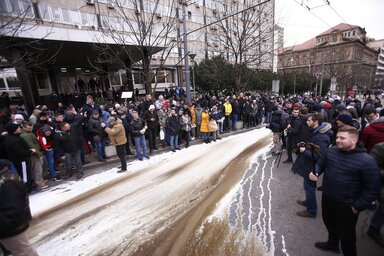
[[346, 119], [46, 128], [11, 127], [327, 105]]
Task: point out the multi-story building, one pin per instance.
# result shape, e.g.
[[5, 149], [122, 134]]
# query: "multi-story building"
[[341, 52], [378, 45], [81, 45]]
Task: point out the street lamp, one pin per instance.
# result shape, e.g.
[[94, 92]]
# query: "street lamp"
[[192, 56]]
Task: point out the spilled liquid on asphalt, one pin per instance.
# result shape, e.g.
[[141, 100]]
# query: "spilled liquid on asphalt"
[[170, 210]]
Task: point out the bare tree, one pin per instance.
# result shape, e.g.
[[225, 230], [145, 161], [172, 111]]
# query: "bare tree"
[[247, 38], [131, 36], [15, 20]]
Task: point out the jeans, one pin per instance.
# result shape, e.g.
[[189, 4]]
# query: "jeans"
[[152, 132], [310, 196], [269, 117], [120, 152], [174, 141], [140, 144], [80, 143], [234, 121], [206, 135], [50, 162], [100, 148], [69, 158]]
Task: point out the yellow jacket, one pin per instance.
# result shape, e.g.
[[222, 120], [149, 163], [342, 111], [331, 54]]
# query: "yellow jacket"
[[228, 108]]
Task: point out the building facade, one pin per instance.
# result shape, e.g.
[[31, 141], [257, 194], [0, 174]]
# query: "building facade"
[[83, 45], [341, 53]]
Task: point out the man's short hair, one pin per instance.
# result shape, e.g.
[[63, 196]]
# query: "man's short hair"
[[369, 111], [62, 125], [27, 123], [90, 97], [317, 117], [351, 130], [303, 110]]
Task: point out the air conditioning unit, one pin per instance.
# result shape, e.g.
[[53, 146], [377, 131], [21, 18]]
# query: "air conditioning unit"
[[181, 20], [154, 57], [214, 28], [93, 27], [208, 44], [91, 2], [110, 6], [197, 5], [76, 26], [137, 11], [215, 45], [214, 11], [158, 15]]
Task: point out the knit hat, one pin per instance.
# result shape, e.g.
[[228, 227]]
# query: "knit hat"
[[327, 105], [316, 108], [19, 116], [322, 103], [43, 113], [340, 107], [346, 119], [95, 112], [11, 127], [297, 105]]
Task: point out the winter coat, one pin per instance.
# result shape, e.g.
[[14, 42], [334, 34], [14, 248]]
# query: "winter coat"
[[198, 112], [355, 182], [173, 125], [378, 153], [148, 115], [116, 134], [300, 130], [89, 109], [193, 115], [32, 142], [320, 137], [76, 123], [204, 122], [228, 108], [235, 107], [94, 127], [65, 142], [185, 123], [46, 142], [373, 133], [276, 121], [136, 126], [15, 213], [17, 149], [162, 114]]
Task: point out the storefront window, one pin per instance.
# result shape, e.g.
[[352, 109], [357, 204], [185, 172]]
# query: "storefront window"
[[11, 77]]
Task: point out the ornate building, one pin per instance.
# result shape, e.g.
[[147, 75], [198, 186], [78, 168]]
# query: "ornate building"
[[341, 52]]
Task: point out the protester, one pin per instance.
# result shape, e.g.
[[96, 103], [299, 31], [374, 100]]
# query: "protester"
[[137, 128], [118, 138], [348, 189]]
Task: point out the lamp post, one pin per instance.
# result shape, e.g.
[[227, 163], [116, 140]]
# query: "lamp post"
[[192, 56], [186, 52]]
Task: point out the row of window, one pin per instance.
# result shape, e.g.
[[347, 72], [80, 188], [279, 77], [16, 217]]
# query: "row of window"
[[21, 8]]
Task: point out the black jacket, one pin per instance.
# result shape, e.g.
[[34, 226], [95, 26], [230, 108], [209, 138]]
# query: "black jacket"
[[173, 125], [135, 126], [320, 136], [65, 142], [350, 177], [15, 213], [17, 149], [94, 127], [300, 130], [147, 117]]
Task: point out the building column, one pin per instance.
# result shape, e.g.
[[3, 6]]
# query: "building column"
[[52, 79]]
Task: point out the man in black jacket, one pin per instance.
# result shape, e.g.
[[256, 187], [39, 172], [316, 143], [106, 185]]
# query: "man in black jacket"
[[66, 146], [307, 156], [348, 189], [15, 213]]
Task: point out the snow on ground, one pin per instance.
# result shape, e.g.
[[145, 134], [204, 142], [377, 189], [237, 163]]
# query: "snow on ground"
[[114, 213]]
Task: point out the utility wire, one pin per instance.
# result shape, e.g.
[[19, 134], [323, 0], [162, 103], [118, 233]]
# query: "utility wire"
[[302, 4]]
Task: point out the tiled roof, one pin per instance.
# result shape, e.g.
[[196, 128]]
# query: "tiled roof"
[[337, 28]]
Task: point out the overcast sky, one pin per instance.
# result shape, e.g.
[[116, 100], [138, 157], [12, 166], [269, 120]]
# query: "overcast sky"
[[301, 25]]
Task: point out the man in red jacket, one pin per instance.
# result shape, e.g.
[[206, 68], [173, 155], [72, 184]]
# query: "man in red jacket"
[[373, 133]]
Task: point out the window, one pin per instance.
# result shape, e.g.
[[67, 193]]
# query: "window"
[[84, 19], [22, 8], [334, 39], [11, 77], [66, 16], [44, 11], [56, 13], [354, 32], [349, 33]]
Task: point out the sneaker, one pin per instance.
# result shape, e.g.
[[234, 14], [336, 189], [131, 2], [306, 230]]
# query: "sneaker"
[[173, 150], [178, 149], [140, 159], [301, 202], [376, 235], [121, 170], [57, 178], [305, 214], [155, 148], [287, 161], [325, 246], [193, 138], [85, 162], [147, 157]]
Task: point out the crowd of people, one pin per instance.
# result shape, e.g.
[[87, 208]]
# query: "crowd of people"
[[61, 139]]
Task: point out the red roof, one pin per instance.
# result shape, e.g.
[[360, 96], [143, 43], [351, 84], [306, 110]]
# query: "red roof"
[[340, 27]]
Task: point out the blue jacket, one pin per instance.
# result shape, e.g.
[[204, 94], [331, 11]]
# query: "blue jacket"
[[350, 177], [304, 162]]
